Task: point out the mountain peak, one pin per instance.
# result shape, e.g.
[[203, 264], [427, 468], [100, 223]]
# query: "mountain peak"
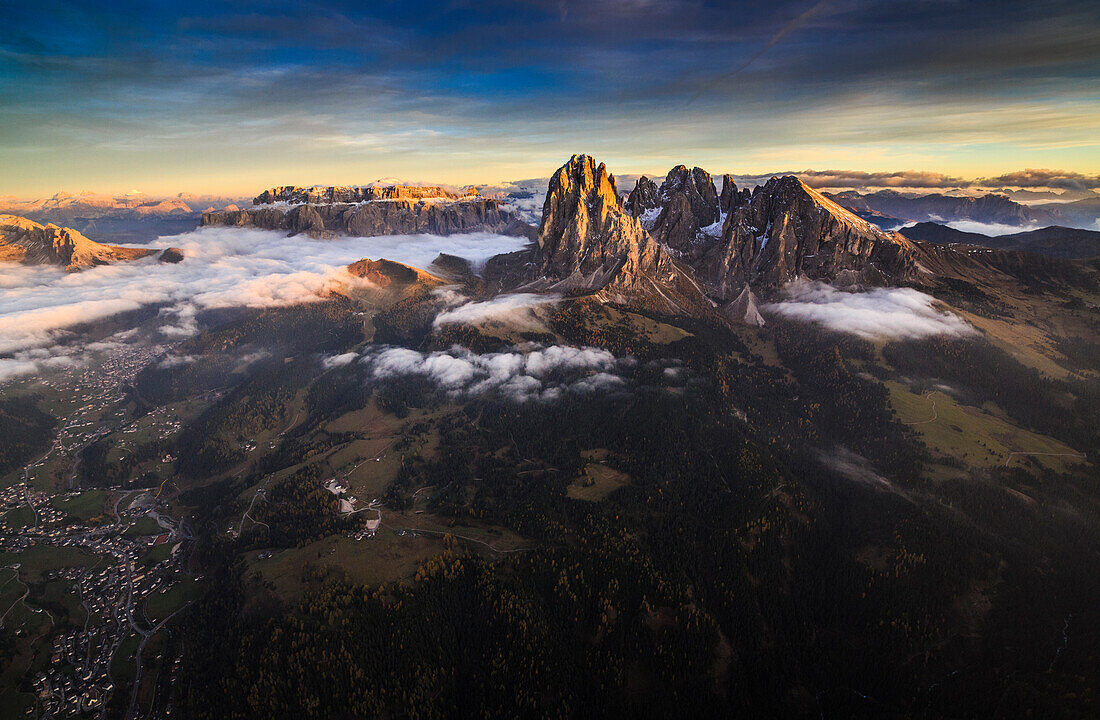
[[788, 230], [584, 226], [689, 203], [25, 241], [588, 242]]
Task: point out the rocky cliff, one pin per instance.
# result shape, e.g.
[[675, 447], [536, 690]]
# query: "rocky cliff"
[[643, 197], [689, 203], [788, 230], [588, 242], [732, 198], [391, 217], [319, 195], [25, 241]]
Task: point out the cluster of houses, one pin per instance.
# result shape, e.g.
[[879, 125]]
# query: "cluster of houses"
[[111, 591]]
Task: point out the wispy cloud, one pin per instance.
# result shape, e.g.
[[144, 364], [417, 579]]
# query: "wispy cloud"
[[874, 314], [479, 92], [515, 308]]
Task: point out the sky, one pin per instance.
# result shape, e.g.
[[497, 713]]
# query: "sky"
[[167, 97]]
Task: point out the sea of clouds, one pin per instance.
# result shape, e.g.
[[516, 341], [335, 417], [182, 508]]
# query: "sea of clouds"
[[882, 313], [223, 267]]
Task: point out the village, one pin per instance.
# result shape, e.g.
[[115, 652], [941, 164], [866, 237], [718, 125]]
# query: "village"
[[93, 590]]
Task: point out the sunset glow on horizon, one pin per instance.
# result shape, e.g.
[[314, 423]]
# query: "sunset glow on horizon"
[[210, 98]]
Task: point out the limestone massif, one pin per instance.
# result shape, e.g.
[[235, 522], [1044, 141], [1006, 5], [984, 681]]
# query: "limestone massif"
[[327, 195], [689, 203], [704, 250], [27, 242], [387, 273], [373, 210]]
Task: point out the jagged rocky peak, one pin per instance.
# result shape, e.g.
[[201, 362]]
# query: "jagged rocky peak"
[[743, 310], [171, 255], [589, 243], [689, 203], [643, 197], [584, 227], [698, 187], [731, 197], [321, 195], [789, 230]]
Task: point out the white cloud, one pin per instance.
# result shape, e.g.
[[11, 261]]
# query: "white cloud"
[[335, 361], [540, 374], [38, 360], [223, 267], [991, 229], [514, 308], [173, 361], [878, 313], [857, 469]]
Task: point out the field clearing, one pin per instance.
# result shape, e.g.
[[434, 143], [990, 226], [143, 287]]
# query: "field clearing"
[[10, 591], [19, 517], [655, 331], [143, 526], [384, 558], [975, 436], [486, 538], [37, 560], [1029, 334], [371, 463], [597, 482], [399, 547], [156, 554], [85, 506], [59, 594], [123, 663], [159, 605]]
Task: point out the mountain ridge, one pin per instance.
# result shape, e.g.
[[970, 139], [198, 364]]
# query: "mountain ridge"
[[27, 242]]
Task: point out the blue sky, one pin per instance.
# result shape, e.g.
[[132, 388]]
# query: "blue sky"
[[235, 97]]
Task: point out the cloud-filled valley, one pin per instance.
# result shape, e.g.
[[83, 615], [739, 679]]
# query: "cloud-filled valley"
[[223, 267]]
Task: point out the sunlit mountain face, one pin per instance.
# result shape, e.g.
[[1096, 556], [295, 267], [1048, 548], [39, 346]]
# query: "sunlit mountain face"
[[549, 360]]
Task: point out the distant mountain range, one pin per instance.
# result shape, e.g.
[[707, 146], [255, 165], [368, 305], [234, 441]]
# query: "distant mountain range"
[[680, 247], [890, 208], [133, 218], [1054, 241]]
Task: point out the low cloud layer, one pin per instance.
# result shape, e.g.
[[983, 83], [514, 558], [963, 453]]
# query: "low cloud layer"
[[991, 229], [223, 267], [38, 360], [543, 374], [875, 314]]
